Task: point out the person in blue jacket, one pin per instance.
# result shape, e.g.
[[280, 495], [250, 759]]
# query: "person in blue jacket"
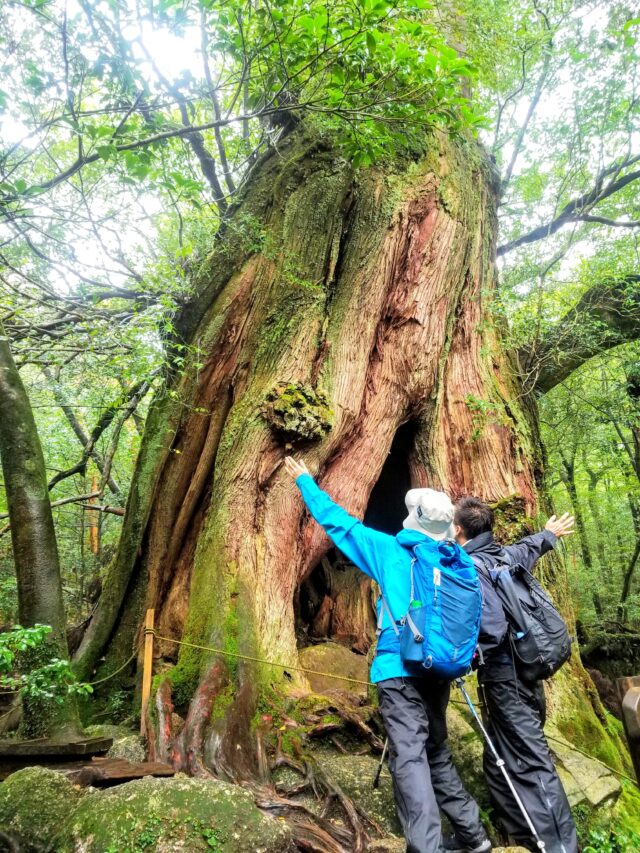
[[413, 708]]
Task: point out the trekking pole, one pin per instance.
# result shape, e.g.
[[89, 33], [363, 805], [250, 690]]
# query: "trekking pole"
[[500, 763], [376, 780]]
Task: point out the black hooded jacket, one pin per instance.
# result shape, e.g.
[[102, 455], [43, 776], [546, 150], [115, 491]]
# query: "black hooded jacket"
[[497, 663]]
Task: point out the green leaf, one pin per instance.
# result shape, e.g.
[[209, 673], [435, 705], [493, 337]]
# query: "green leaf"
[[106, 152]]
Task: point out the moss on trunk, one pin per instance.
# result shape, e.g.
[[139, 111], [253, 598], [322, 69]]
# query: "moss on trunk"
[[35, 550], [363, 302]]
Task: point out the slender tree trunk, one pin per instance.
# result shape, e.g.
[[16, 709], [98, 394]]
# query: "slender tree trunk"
[[33, 537], [626, 582], [569, 479], [599, 523]]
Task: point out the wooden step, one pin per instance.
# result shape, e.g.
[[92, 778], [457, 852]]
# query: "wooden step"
[[104, 772], [46, 747]]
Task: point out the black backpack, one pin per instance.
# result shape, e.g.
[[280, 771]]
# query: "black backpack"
[[538, 636]]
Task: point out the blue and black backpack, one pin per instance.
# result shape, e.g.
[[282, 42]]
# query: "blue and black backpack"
[[439, 632]]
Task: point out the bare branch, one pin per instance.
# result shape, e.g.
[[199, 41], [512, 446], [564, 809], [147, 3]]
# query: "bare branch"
[[578, 208], [607, 315]]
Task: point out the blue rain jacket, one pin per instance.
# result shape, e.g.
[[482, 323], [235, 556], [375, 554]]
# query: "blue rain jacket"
[[385, 558]]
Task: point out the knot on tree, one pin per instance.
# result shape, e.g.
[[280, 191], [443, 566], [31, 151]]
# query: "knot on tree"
[[297, 412]]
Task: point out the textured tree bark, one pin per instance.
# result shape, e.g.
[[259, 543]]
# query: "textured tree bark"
[[336, 313], [33, 539]]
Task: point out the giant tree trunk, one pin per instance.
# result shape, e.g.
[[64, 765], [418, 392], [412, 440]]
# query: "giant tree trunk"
[[349, 317]]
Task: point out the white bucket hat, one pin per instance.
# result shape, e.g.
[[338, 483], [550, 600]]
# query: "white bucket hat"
[[430, 512]]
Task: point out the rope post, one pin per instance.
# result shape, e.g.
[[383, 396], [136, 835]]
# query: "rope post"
[[147, 669]]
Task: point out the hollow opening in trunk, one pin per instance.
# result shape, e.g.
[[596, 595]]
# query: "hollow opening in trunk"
[[335, 602], [386, 509]]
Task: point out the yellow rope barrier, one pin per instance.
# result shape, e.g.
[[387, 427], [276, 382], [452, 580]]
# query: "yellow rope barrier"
[[240, 656], [258, 660], [115, 672]]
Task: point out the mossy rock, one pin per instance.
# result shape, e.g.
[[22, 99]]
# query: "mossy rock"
[[355, 774], [297, 412], [171, 815], [106, 730], [129, 748], [35, 801], [335, 659], [584, 779], [127, 744]]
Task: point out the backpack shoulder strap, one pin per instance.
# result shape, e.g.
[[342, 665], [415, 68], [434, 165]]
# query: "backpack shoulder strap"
[[385, 608], [491, 564]]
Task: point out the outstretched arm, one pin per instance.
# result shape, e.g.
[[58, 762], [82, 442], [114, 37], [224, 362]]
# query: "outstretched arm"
[[531, 548], [364, 546]]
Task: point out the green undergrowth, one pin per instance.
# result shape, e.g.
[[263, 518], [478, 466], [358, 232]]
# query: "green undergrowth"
[[613, 827], [581, 727]]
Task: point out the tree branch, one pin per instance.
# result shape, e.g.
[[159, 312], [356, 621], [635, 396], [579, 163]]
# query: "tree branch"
[[114, 510], [606, 315], [78, 429], [579, 208]]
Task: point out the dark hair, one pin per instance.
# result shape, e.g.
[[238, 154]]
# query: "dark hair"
[[473, 516]]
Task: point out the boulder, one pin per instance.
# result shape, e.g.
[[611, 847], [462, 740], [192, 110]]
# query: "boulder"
[[35, 801], [335, 659], [466, 748], [127, 744], [355, 775], [129, 748], [584, 779], [107, 730], [172, 815]]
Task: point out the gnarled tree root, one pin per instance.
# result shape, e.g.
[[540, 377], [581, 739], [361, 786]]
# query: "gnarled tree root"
[[337, 825]]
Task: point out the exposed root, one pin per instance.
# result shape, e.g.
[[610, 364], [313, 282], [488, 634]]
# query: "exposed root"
[[339, 746], [350, 718], [307, 826], [189, 744], [310, 837], [335, 825], [313, 779], [324, 729], [335, 793], [355, 720], [158, 731]]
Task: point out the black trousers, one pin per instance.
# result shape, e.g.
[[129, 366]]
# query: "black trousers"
[[424, 776], [514, 715]]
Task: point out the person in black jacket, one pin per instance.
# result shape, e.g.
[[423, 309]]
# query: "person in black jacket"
[[515, 709]]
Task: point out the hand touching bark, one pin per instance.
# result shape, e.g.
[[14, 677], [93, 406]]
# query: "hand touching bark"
[[562, 526], [294, 468]]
